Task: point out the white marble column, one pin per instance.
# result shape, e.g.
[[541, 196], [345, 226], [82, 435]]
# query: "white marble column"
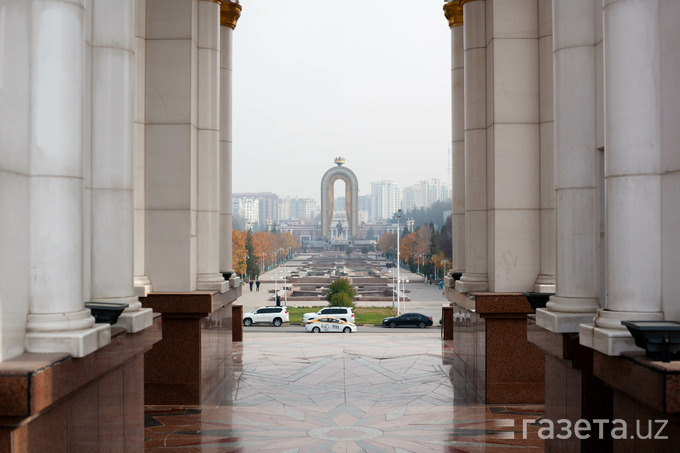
[[171, 161], [475, 277], [454, 13], [57, 321], [576, 298], [209, 277], [513, 150], [670, 144], [111, 164], [632, 172], [545, 282], [142, 282], [229, 15], [14, 175]]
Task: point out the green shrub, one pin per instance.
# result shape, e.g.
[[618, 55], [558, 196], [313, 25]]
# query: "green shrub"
[[341, 300], [341, 286]]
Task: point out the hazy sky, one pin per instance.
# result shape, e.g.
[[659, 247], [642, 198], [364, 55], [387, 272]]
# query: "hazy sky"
[[368, 80]]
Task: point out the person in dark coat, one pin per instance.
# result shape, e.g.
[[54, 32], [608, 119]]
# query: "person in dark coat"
[[257, 284], [250, 283]]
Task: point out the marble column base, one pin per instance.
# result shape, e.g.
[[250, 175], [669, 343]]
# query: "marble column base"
[[78, 343], [472, 283], [562, 304], [234, 280], [612, 342], [611, 319], [559, 322], [212, 282], [142, 286], [545, 284], [135, 321]]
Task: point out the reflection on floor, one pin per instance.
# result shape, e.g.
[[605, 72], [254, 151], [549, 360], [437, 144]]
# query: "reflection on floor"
[[343, 393]]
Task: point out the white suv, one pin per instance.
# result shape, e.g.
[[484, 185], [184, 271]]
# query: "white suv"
[[269, 315], [343, 313]]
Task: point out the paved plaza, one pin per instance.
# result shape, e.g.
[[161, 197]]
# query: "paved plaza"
[[301, 392], [423, 298]]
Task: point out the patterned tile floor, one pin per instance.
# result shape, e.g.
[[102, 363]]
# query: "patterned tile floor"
[[391, 392]]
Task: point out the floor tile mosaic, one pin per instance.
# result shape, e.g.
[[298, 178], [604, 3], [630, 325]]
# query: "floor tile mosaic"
[[392, 392]]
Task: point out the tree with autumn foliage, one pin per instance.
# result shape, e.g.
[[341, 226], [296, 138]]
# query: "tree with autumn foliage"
[[262, 249], [238, 251], [252, 264], [388, 244], [440, 263]]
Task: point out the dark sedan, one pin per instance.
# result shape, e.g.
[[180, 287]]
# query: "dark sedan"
[[409, 320]]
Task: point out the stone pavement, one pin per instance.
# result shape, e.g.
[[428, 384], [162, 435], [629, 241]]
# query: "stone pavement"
[[342, 393]]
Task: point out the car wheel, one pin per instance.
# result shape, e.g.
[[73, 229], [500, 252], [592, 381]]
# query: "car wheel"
[[421, 325], [277, 322], [393, 324], [347, 330], [316, 330], [247, 322]]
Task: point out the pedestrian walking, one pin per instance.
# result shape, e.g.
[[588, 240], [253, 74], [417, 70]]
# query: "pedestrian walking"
[[250, 283], [257, 284]]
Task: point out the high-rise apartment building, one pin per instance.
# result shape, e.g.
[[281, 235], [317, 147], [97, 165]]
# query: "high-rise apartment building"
[[386, 199], [267, 206], [297, 208], [248, 208], [425, 193]]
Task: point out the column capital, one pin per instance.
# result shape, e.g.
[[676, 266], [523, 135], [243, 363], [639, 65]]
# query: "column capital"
[[229, 14], [454, 13]]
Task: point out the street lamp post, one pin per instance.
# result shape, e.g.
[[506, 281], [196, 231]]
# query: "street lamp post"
[[276, 286], [403, 301], [398, 258], [393, 288]]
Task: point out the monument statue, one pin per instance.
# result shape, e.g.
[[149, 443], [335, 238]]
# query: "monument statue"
[[351, 197]]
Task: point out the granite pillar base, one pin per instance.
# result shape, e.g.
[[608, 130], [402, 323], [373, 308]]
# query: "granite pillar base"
[[646, 396], [447, 323], [572, 392], [54, 402], [490, 340], [237, 322], [191, 359]]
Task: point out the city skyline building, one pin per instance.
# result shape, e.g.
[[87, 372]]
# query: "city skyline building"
[[385, 199], [425, 193]]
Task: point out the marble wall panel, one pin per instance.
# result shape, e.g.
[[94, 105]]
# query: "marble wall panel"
[[515, 19], [516, 253]]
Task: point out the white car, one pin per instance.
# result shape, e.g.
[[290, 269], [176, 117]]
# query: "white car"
[[343, 313], [268, 315], [328, 324]]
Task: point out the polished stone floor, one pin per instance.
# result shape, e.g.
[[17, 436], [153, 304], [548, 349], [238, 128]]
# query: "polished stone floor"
[[391, 392]]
